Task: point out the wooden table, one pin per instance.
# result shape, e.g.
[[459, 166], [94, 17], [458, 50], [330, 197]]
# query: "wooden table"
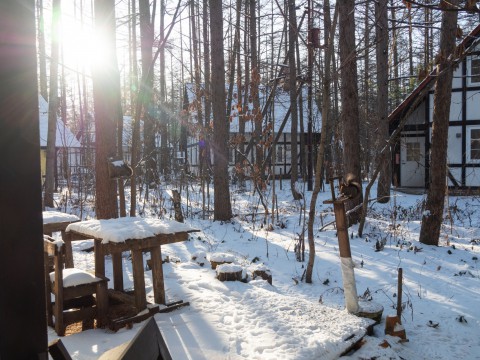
[[56, 221], [135, 234]]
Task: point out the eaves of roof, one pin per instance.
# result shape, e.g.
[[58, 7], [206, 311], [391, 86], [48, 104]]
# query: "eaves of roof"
[[404, 106]]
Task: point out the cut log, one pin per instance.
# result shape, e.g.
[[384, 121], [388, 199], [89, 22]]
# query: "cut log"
[[264, 274], [229, 272]]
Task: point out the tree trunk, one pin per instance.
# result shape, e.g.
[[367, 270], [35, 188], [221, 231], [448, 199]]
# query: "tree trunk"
[[146, 88], [292, 38], [42, 58], [329, 31], [106, 89], [208, 111], [433, 215], [349, 98], [52, 107], [223, 207], [136, 114], [381, 14], [164, 117], [254, 88]]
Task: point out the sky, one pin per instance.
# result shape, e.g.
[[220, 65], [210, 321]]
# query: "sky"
[[294, 320]]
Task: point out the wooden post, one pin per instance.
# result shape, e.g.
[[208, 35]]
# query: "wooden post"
[[117, 265], [23, 330], [399, 295], [138, 280], [157, 275], [67, 238], [99, 258]]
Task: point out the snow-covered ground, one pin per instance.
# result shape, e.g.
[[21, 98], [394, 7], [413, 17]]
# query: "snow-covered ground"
[[294, 320]]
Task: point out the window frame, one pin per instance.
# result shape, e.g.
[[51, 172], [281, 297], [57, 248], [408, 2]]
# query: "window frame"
[[469, 144], [470, 68]]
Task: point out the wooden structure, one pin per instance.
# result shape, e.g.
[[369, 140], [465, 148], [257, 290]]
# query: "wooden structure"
[[23, 330], [136, 235], [411, 161], [56, 221], [73, 290], [148, 344]]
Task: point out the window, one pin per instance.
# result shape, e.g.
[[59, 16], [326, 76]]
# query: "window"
[[474, 70], [413, 151], [473, 144], [279, 154]]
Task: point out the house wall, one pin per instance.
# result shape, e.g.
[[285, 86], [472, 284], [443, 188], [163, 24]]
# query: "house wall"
[[282, 159], [464, 169]]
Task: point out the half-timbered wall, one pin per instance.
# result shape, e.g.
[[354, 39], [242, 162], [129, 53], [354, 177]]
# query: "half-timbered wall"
[[463, 136]]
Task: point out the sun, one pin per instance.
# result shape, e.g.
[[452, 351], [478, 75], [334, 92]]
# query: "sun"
[[83, 47], [77, 44]]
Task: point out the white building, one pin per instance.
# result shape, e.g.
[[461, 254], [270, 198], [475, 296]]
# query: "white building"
[[276, 118], [411, 163]]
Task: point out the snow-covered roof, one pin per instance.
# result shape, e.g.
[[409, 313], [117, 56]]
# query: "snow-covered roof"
[[63, 138], [278, 109]]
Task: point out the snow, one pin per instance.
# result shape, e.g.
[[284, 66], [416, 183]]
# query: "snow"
[[75, 277], [228, 268], [294, 320], [119, 230], [222, 257], [51, 216]]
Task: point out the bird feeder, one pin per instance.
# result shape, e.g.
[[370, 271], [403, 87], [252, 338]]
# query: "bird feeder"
[[119, 169]]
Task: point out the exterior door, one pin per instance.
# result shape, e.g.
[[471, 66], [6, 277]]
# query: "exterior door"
[[412, 162]]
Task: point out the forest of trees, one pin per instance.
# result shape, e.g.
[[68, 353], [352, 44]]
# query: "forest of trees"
[[99, 61]]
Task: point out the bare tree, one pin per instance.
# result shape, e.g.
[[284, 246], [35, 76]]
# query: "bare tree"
[[433, 216], [136, 114], [349, 97], [292, 39], [381, 32], [146, 89], [42, 56], [52, 107], [223, 207], [106, 87], [329, 39]]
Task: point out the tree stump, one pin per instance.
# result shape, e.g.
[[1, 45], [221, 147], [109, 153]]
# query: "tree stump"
[[370, 310], [177, 205], [265, 274], [393, 327], [229, 272], [221, 258]]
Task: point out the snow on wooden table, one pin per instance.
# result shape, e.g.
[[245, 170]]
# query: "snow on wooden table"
[[50, 217], [122, 229]]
